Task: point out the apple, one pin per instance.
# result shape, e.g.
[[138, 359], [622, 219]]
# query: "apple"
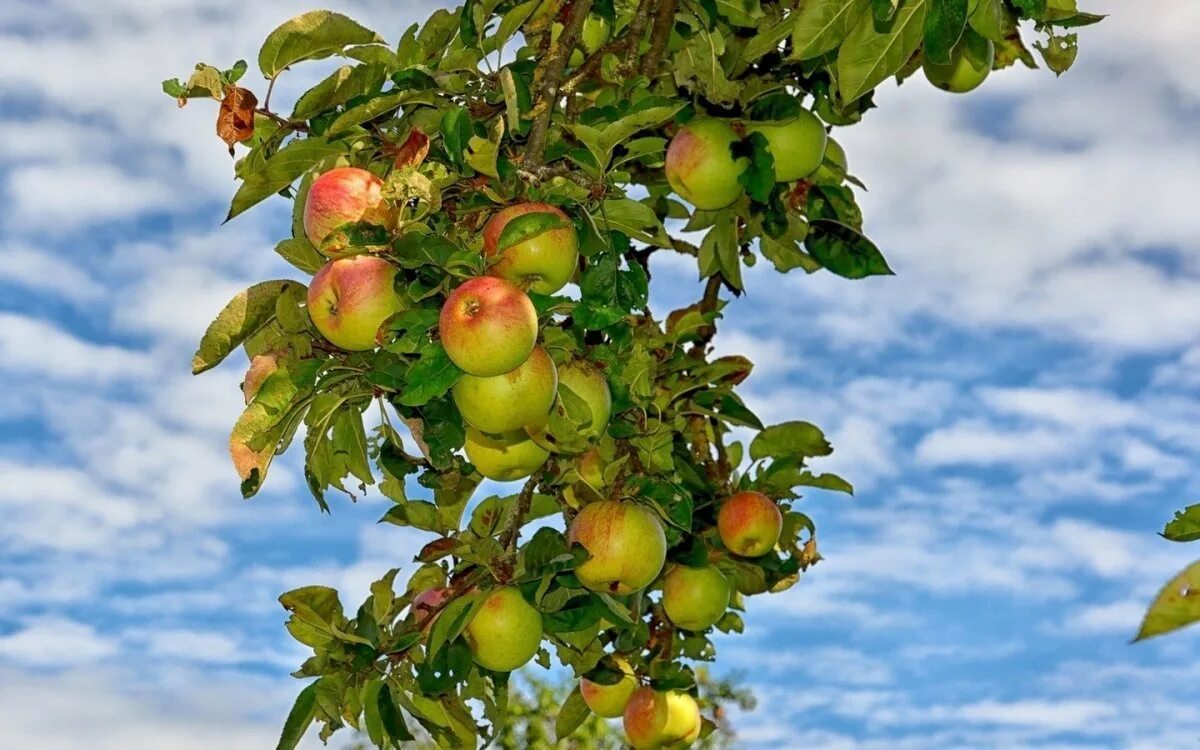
[[341, 196], [488, 326], [798, 146], [503, 403], [608, 701], [586, 381], [506, 457], [625, 543], [695, 598], [426, 603], [350, 298], [543, 263], [700, 164], [506, 631], [970, 64], [749, 523], [661, 720], [261, 367], [833, 170]]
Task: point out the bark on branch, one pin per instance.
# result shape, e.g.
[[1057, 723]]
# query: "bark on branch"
[[548, 91]]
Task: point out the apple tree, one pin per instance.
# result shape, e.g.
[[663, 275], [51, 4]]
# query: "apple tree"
[[478, 204]]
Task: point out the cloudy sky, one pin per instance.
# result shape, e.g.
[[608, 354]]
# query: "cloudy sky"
[[1017, 406]]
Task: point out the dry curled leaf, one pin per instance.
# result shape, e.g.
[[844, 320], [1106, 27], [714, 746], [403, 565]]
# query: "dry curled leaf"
[[413, 151], [235, 120]]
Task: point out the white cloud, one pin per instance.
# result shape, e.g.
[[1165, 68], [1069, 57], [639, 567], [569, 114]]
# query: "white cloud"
[[46, 272], [54, 642], [37, 347]]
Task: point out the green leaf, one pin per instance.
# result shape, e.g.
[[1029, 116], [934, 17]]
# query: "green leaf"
[[790, 439], [301, 254], [240, 319], [1185, 526], [431, 376], [527, 226], [844, 251], [745, 13], [821, 25], [370, 110], [1059, 51], [633, 219], [452, 620], [720, 252], [483, 153], [874, 51], [698, 66], [1176, 606], [571, 715], [456, 133], [989, 18], [301, 716], [311, 36], [281, 170], [944, 26], [342, 85], [759, 176]]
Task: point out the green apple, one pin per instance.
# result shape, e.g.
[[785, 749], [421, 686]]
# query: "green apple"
[[749, 523], [506, 631], [833, 170], [545, 262], [655, 720], [350, 298], [626, 546], [798, 146], [341, 196], [586, 381], [503, 403], [608, 701], [700, 164], [970, 64], [695, 598], [504, 458], [488, 326]]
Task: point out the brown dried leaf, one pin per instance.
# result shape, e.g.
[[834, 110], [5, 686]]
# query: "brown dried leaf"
[[235, 120], [413, 151]]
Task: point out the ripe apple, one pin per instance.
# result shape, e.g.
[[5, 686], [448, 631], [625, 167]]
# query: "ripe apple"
[[656, 720], [749, 523], [970, 64], [608, 701], [798, 146], [833, 170], [587, 382], [626, 544], [426, 603], [543, 263], [341, 196], [700, 164], [503, 403], [349, 299], [488, 326], [261, 367], [695, 598], [506, 457], [506, 631]]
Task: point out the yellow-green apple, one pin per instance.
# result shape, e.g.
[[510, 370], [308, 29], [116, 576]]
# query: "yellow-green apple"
[[586, 381], [625, 543], [341, 196], [656, 720], [701, 167], [970, 64], [798, 145], [833, 169], [749, 523], [695, 598], [544, 262], [488, 326], [261, 367], [503, 403], [349, 299], [506, 457], [506, 631], [608, 701], [427, 603]]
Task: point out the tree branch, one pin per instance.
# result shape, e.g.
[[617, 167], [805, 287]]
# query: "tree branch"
[[552, 70], [628, 43], [660, 35], [508, 540]]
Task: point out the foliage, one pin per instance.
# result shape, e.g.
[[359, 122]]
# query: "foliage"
[[496, 102]]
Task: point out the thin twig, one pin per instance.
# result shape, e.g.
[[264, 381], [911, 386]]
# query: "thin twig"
[[508, 540], [660, 35], [552, 70]]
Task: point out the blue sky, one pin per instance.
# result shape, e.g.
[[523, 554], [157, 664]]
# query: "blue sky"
[[1017, 407]]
